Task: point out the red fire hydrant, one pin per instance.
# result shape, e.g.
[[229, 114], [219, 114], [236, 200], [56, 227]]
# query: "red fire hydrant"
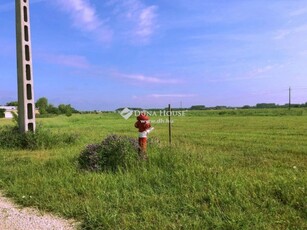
[[143, 124]]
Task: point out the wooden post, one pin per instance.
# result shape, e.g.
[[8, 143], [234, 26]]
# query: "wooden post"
[[289, 98], [169, 124]]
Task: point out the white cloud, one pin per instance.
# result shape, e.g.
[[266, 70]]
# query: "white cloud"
[[171, 95], [131, 20], [146, 25], [257, 73], [149, 98], [294, 31], [281, 34], [298, 12], [76, 61], [139, 19], [140, 78], [85, 18]]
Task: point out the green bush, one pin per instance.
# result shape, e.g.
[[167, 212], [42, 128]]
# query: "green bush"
[[112, 153], [2, 115], [10, 137], [41, 139]]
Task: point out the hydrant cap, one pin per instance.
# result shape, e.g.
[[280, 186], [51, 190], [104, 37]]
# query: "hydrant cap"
[[142, 116]]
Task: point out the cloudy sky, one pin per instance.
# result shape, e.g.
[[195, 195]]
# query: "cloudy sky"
[[105, 54]]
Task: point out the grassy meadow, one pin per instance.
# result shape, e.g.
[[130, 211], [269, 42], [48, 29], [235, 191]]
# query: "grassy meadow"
[[232, 169]]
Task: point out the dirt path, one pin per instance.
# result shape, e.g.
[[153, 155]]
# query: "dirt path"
[[13, 217]]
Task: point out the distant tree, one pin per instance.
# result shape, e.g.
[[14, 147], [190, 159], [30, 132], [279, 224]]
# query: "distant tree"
[[246, 107], [295, 105], [46, 108], [68, 113], [266, 105], [74, 110], [12, 103], [62, 108], [42, 105], [219, 107], [197, 107], [66, 109], [52, 109]]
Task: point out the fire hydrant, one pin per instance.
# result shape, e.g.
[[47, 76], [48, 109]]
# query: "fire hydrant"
[[143, 124]]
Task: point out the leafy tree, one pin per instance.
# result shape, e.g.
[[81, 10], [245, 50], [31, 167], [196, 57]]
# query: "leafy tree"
[[12, 103], [46, 108], [220, 107], [68, 113], [266, 105], [52, 109], [197, 107], [42, 105], [62, 108], [66, 109]]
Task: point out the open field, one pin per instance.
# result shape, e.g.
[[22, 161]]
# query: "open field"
[[225, 170]]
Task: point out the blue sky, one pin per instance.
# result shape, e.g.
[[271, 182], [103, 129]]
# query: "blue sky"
[[107, 54]]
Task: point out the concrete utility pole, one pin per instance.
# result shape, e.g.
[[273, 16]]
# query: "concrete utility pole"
[[26, 106]]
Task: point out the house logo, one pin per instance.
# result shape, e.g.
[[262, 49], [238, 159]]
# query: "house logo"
[[126, 113]]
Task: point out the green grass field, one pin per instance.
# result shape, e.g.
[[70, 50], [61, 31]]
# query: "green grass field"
[[225, 170]]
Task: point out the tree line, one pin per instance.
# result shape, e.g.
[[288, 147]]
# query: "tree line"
[[46, 108], [257, 106]]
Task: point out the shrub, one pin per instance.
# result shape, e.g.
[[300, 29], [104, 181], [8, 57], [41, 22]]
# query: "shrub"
[[89, 158], [41, 139], [112, 153], [2, 115], [10, 137]]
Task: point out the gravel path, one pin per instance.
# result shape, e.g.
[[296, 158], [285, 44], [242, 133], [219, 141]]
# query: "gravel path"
[[14, 218]]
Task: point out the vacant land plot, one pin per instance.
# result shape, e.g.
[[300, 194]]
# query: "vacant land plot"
[[226, 170]]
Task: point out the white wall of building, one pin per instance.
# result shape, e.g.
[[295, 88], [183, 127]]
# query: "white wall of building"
[[9, 110]]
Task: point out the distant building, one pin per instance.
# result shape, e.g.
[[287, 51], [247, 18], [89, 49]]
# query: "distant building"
[[9, 110]]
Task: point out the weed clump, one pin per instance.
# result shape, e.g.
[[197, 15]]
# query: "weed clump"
[[112, 153], [11, 138]]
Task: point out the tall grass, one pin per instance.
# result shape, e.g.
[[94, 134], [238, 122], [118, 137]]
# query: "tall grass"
[[11, 138], [222, 172]]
